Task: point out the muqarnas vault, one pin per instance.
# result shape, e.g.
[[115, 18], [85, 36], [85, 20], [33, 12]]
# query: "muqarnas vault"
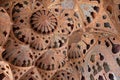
[[59, 39]]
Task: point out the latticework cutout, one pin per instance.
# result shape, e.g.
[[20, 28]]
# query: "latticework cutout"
[[64, 75], [5, 71], [59, 40], [98, 63]]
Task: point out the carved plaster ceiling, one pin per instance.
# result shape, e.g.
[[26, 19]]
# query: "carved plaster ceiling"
[[59, 39]]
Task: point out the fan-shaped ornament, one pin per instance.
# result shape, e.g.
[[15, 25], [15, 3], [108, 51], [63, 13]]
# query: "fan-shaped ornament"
[[18, 54], [5, 26], [51, 60]]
